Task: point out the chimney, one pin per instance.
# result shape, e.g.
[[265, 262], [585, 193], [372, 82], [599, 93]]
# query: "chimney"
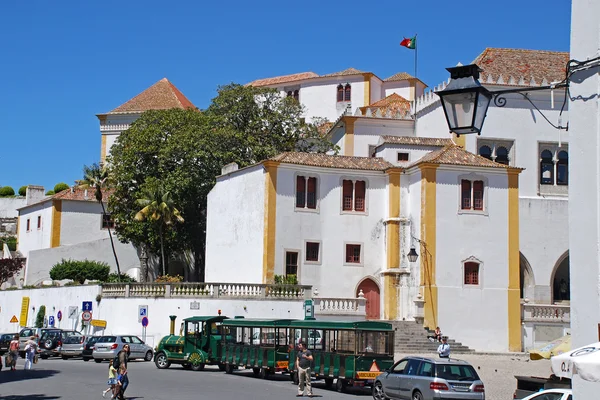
[[34, 194], [229, 168]]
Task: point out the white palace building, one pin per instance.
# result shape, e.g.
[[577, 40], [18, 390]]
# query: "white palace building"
[[486, 215]]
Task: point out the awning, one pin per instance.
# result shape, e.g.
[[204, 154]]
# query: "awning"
[[584, 361], [551, 349]]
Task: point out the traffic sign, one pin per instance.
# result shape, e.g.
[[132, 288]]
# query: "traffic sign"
[[51, 320], [100, 323], [145, 322], [86, 316], [142, 312], [73, 312], [14, 319], [86, 306], [59, 315]]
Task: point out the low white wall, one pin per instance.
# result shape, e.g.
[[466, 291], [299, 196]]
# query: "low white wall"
[[121, 314], [9, 205], [39, 262]]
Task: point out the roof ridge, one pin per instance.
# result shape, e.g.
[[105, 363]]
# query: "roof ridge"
[[161, 95]]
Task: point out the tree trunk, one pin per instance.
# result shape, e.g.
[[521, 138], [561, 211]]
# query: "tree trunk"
[[162, 251], [144, 263], [112, 244]]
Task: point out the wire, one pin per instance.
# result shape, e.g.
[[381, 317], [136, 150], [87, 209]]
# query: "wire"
[[541, 113]]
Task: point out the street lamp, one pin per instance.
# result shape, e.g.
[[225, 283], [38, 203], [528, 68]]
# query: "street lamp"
[[412, 255], [465, 101]]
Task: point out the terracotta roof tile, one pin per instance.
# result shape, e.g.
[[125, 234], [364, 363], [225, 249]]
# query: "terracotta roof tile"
[[415, 141], [400, 76], [456, 155], [80, 194], [394, 103], [517, 63], [283, 79], [162, 95], [329, 161], [349, 71]]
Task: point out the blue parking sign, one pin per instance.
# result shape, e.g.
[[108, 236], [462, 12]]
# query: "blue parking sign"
[[51, 320], [86, 306]]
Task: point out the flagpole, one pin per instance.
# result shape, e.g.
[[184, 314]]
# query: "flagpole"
[[416, 49]]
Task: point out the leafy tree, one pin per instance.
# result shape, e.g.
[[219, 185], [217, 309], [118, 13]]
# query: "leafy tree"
[[124, 278], [79, 271], [41, 315], [9, 267], [7, 191], [23, 191], [59, 187], [96, 176], [50, 193], [159, 208]]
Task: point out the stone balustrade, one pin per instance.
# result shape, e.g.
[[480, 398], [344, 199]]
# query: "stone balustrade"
[[548, 313], [206, 290], [340, 306], [113, 127]]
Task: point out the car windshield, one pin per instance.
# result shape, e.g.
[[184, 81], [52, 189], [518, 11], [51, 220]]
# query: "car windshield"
[[71, 333], [51, 335], [107, 339], [6, 336], [456, 372], [73, 339], [92, 340]]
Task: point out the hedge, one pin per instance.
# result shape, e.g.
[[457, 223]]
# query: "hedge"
[[80, 271]]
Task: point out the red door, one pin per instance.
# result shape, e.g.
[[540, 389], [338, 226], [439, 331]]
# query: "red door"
[[371, 292]]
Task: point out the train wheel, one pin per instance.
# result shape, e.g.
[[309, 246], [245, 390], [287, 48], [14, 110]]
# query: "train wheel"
[[198, 367], [328, 383], [340, 385], [161, 361], [221, 367], [263, 373], [256, 371], [228, 368]]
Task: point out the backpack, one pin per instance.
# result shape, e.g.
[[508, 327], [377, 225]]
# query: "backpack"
[[117, 361]]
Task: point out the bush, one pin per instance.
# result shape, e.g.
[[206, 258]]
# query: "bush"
[[23, 191], [112, 278], [286, 279], [39, 320], [169, 279], [11, 241], [50, 193], [7, 191], [79, 271], [59, 187]]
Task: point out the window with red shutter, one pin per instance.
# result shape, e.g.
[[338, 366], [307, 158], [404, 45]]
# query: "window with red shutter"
[[39, 222], [359, 196], [311, 193], [471, 273], [28, 225], [478, 195], [312, 251], [347, 189], [353, 253], [347, 92], [340, 93], [300, 192], [465, 202]]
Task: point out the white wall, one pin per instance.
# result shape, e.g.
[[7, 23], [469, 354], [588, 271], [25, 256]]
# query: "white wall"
[[389, 152], [35, 238], [367, 131], [81, 221], [401, 88], [332, 228], [320, 96], [39, 262], [235, 226], [114, 125], [477, 316], [376, 89], [121, 314], [9, 205]]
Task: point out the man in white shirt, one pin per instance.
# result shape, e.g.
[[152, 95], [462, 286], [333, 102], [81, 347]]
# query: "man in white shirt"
[[444, 348]]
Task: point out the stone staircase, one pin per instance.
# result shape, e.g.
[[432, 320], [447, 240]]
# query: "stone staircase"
[[411, 338]]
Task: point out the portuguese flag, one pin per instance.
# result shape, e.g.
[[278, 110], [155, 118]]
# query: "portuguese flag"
[[409, 43]]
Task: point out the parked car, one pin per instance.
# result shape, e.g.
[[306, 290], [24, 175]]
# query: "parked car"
[[315, 338], [420, 378], [528, 385], [88, 348], [5, 339], [552, 394], [107, 347], [51, 341], [72, 346], [26, 333]]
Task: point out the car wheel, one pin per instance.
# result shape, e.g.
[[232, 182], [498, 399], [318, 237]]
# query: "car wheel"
[[221, 367], [340, 385], [64, 357], [48, 344], [44, 357], [86, 359], [263, 373], [98, 360], [148, 356], [161, 361], [328, 383], [186, 366], [417, 395], [378, 391], [228, 368], [198, 367]]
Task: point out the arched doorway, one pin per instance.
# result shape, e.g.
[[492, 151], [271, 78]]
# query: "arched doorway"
[[371, 291], [526, 279], [561, 283]]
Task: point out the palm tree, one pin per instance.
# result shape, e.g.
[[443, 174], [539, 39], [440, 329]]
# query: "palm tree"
[[96, 176], [158, 207]]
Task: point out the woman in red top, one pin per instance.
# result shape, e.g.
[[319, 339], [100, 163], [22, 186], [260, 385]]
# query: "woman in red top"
[[13, 350]]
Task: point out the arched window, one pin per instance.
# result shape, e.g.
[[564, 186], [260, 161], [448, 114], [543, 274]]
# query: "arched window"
[[347, 92], [502, 155], [471, 273], [296, 95], [546, 168], [562, 168], [485, 151], [289, 93], [340, 93]]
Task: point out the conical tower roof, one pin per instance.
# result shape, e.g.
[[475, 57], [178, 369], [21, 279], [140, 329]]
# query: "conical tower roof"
[[162, 95]]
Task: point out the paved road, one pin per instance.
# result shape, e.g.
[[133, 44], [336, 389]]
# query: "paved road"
[[75, 379]]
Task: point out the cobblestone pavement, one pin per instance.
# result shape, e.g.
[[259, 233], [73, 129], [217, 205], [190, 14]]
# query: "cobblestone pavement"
[[497, 371]]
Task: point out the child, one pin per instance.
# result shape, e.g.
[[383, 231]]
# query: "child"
[[112, 380], [118, 394]]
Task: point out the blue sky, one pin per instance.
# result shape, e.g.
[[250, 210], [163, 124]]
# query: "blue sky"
[[63, 62]]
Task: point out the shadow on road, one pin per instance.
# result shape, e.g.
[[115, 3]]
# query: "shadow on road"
[[29, 397], [23, 375]]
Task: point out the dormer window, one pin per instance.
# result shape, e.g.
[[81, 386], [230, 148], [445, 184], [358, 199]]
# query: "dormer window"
[[344, 93]]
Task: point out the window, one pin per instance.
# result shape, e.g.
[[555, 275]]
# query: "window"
[[502, 155], [28, 224], [107, 221], [340, 93], [399, 368], [291, 263], [295, 94], [425, 369], [372, 150], [312, 251], [486, 152], [402, 156], [306, 192], [353, 195], [347, 92], [39, 222], [499, 151], [471, 197], [344, 93], [546, 168], [353, 253], [471, 273], [562, 168], [554, 169]]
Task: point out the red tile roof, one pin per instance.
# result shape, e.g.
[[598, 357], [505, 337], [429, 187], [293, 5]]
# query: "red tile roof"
[[162, 95], [80, 194], [283, 79], [394, 102], [415, 141], [517, 63], [456, 155], [329, 161], [400, 76], [346, 72]]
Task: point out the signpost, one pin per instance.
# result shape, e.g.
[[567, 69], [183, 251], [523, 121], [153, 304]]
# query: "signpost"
[[142, 312], [309, 309], [73, 312], [86, 306], [24, 311], [144, 325], [59, 315], [51, 320], [14, 320], [86, 316], [100, 323]]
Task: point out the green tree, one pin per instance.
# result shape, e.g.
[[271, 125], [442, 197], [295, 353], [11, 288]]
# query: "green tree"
[[7, 191], [159, 208], [80, 271], [59, 187], [50, 193], [39, 319], [9, 267], [23, 191], [96, 177]]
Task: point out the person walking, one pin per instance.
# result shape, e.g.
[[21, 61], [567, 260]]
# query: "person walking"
[[31, 348], [112, 380], [303, 362], [123, 358], [444, 348], [13, 352]]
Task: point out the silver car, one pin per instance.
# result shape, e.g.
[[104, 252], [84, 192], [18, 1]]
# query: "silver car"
[[107, 347], [419, 378], [72, 346]]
